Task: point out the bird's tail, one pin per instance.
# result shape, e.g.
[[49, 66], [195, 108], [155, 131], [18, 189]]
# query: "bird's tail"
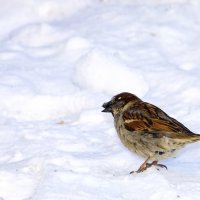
[[194, 137], [186, 138]]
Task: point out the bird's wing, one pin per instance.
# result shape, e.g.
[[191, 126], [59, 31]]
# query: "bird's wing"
[[145, 117]]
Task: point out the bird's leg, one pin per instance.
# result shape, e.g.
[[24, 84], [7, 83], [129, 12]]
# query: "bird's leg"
[[155, 163], [143, 167], [146, 165]]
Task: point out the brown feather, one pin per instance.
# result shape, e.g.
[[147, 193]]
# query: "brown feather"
[[147, 117]]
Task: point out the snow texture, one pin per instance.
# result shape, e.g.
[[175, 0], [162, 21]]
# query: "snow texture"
[[59, 62]]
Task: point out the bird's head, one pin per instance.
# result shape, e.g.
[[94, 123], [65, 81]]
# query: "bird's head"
[[117, 103]]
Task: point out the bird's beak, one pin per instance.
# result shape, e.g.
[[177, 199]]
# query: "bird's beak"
[[107, 107]]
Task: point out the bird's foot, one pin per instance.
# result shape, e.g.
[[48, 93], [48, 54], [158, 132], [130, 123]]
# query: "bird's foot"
[[142, 168], [162, 166], [146, 165], [155, 163]]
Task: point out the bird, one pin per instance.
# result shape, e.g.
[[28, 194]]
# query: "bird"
[[147, 130]]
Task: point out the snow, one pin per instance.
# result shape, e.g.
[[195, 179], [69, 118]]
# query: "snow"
[[97, 66], [59, 62]]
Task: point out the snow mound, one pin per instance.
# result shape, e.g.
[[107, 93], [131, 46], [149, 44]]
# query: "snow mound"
[[51, 10], [41, 107], [106, 73], [22, 186], [37, 35], [77, 43]]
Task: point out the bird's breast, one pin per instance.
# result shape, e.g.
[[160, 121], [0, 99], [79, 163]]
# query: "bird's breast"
[[131, 140]]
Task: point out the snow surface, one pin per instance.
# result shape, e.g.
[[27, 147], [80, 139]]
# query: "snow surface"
[[60, 60]]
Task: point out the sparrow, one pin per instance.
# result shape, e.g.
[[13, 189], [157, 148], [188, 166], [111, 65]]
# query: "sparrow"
[[147, 130]]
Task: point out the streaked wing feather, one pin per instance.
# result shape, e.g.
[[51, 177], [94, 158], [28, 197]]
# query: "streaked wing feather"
[[146, 117]]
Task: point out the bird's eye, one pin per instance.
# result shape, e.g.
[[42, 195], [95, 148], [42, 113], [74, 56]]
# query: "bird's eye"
[[115, 99], [118, 98]]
